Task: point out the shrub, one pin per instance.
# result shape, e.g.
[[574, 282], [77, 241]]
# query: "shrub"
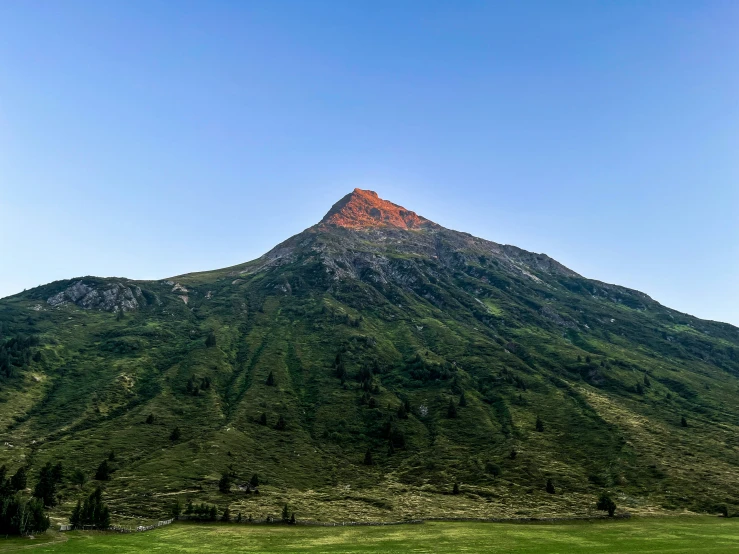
[[606, 503], [492, 469], [451, 411], [550, 486], [281, 423], [210, 340]]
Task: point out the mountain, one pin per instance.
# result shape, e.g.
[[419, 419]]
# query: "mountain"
[[374, 336]]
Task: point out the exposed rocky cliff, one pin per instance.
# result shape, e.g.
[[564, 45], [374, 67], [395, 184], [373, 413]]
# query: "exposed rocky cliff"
[[109, 297]]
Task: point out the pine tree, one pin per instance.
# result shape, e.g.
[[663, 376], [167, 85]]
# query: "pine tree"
[[285, 514], [103, 471], [292, 519], [19, 480], [175, 434], [176, 509], [550, 486], [683, 422], [254, 481], [45, 489], [368, 458], [75, 519], [213, 513], [226, 515], [103, 520], [150, 419], [281, 424], [111, 456], [270, 379], [94, 511], [539, 424], [462, 400], [455, 488], [224, 484], [513, 454], [263, 419]]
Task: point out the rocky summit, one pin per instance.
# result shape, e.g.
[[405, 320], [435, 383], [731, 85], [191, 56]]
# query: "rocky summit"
[[376, 366]]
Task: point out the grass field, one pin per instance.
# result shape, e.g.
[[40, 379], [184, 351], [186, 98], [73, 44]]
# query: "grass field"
[[674, 535]]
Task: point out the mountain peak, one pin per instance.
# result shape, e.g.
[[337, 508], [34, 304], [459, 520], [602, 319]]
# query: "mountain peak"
[[362, 209]]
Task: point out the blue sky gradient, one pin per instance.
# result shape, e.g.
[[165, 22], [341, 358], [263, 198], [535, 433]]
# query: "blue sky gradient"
[[147, 139]]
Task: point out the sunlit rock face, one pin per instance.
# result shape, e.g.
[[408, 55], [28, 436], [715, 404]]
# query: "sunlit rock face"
[[109, 298], [364, 209]]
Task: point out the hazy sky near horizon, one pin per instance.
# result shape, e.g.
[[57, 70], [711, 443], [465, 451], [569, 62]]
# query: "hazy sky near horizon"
[[147, 139]]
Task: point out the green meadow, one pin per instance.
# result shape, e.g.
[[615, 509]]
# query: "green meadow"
[[674, 535]]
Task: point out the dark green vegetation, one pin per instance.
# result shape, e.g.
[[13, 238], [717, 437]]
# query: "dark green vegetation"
[[367, 372], [673, 535]]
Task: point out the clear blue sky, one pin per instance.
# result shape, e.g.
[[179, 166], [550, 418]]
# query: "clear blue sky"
[[146, 138]]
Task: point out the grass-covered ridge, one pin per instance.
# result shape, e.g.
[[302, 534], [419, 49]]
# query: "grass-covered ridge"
[[432, 350]]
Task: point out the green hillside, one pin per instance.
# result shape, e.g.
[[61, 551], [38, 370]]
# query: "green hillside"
[[375, 331]]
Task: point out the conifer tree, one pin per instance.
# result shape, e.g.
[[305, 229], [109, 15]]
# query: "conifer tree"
[[683, 422], [49, 477], [75, 519], [462, 400], [103, 471], [226, 517], [550, 486], [254, 481], [150, 419], [281, 423], [224, 484], [263, 419], [175, 435], [270, 379], [285, 514], [455, 488], [19, 480], [539, 424], [210, 340], [368, 458]]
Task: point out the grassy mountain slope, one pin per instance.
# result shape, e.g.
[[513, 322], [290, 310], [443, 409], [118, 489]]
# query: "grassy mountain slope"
[[372, 309]]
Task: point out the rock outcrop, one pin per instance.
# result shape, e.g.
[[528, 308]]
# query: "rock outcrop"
[[109, 297]]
